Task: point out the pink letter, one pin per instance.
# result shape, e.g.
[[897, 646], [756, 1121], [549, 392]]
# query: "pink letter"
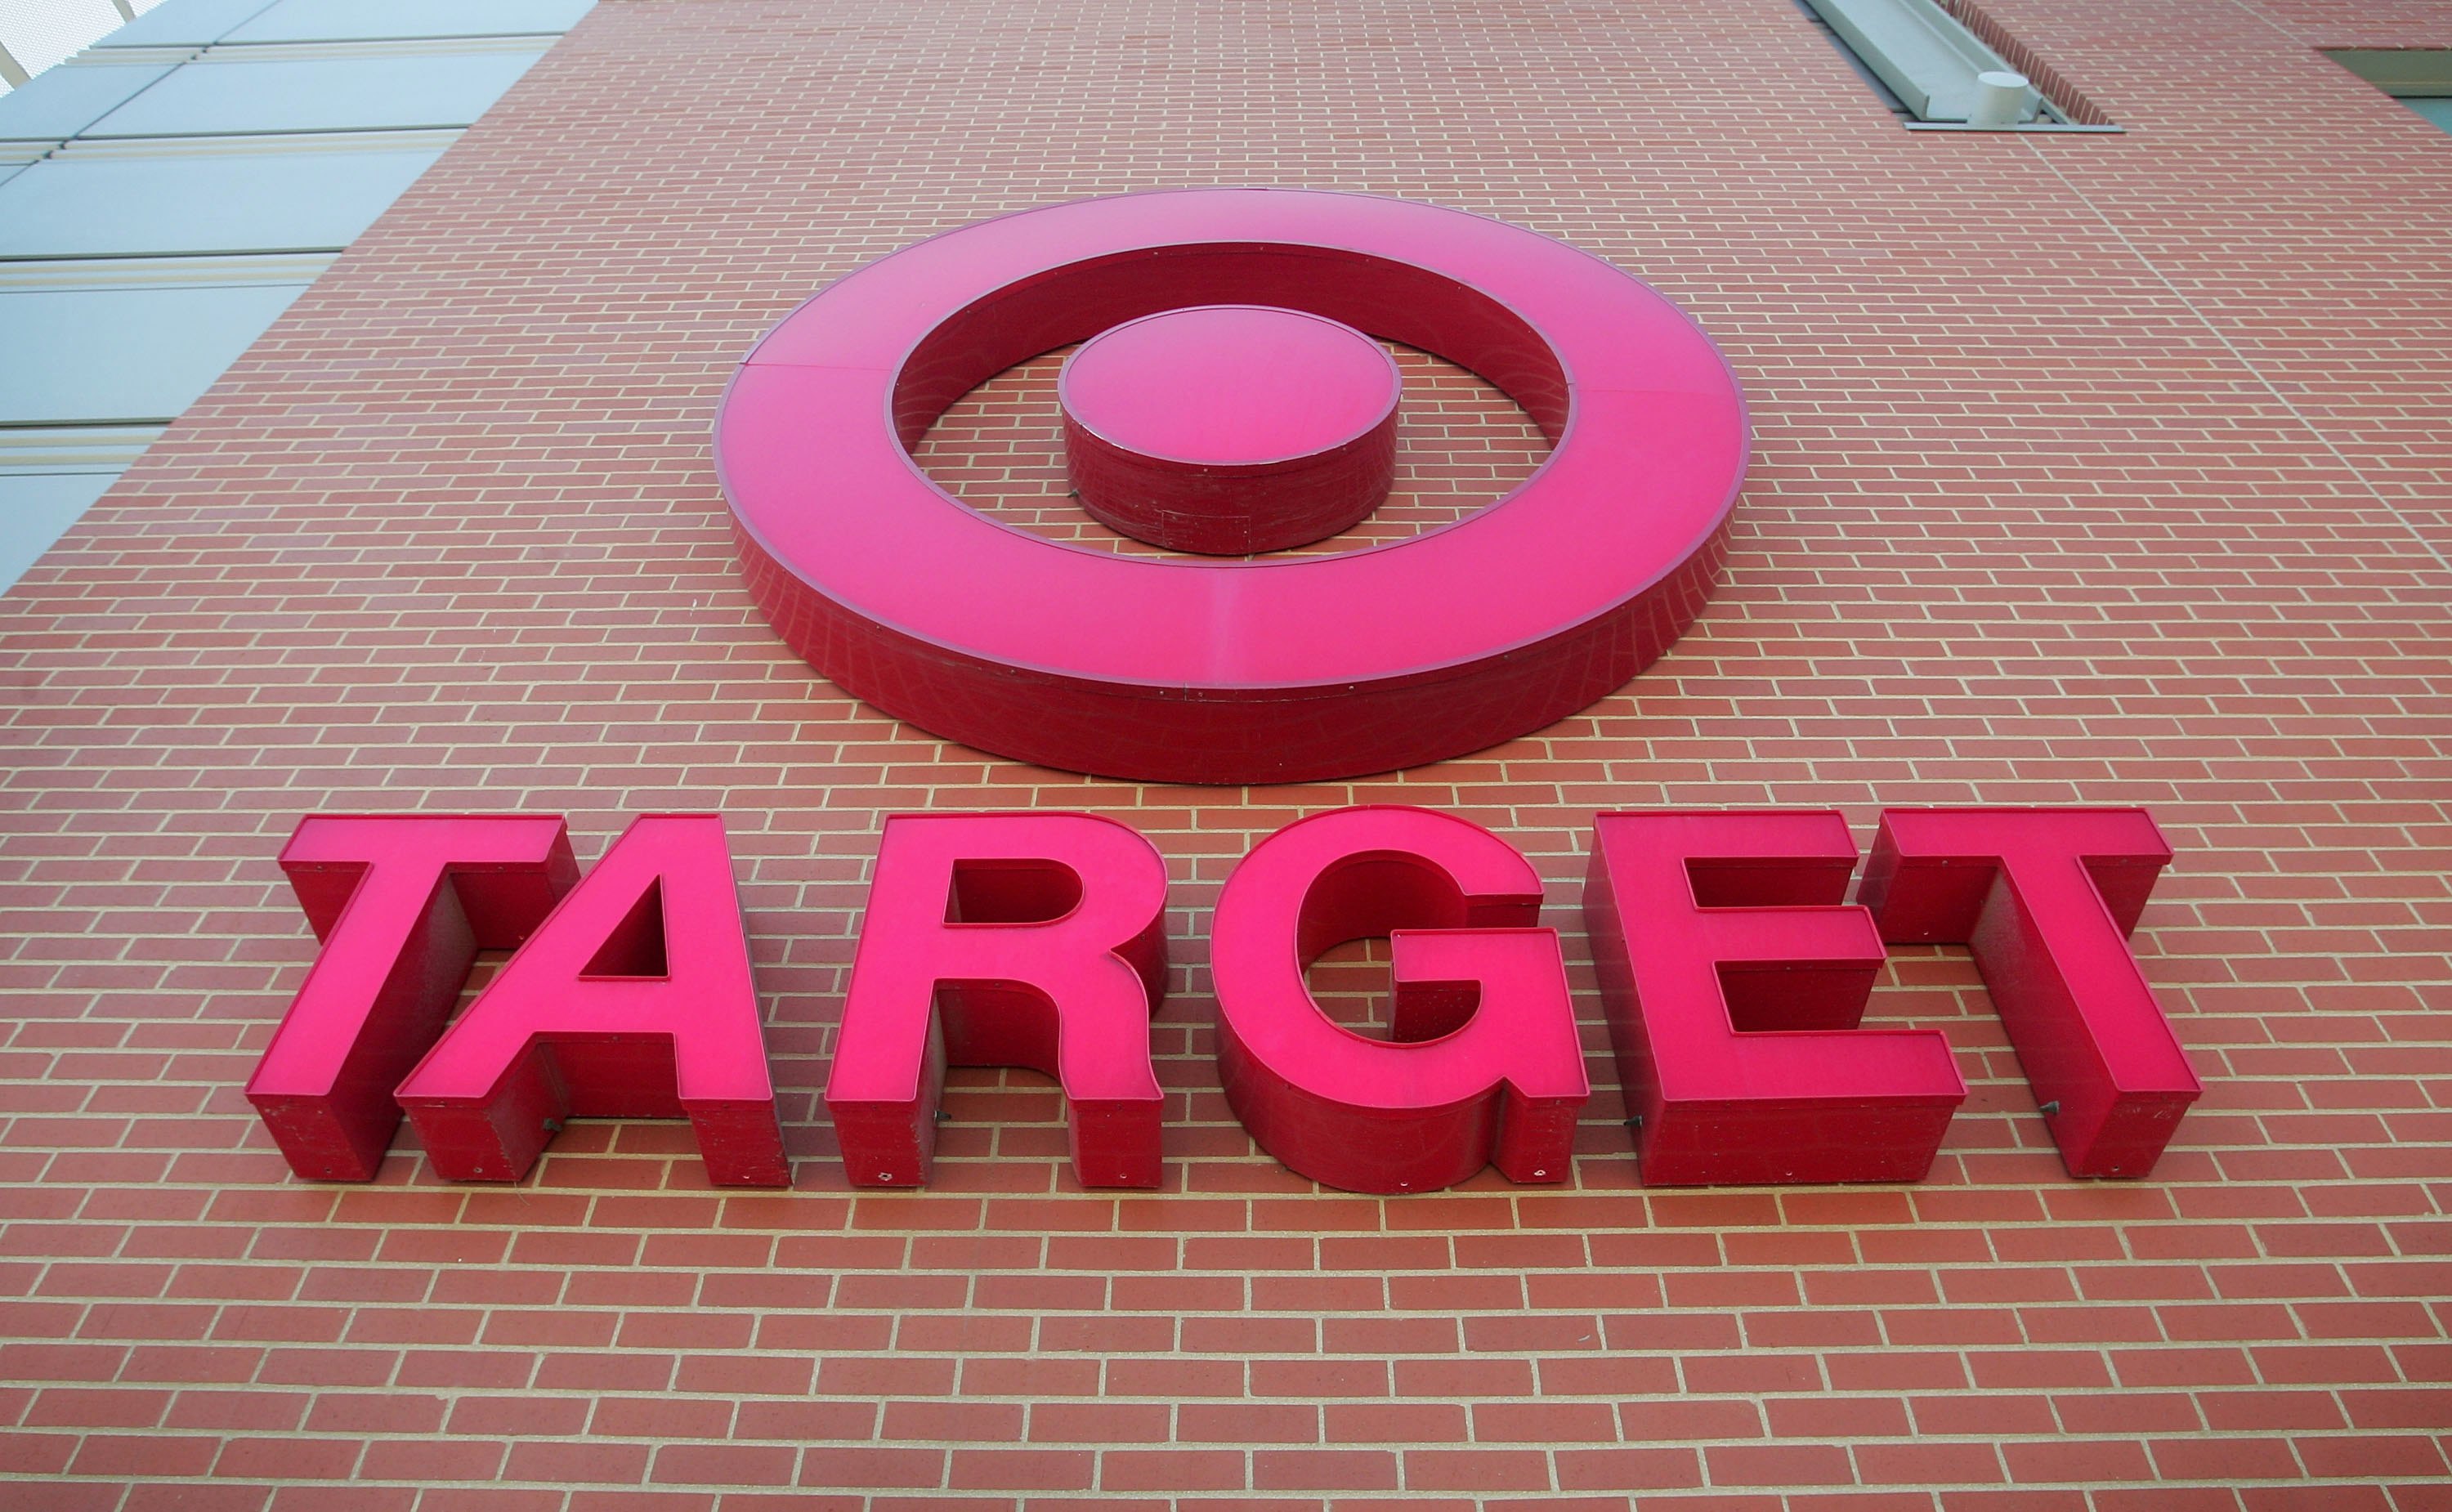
[[2046, 898], [403, 903], [1483, 1065], [634, 1000], [1734, 980], [1038, 940]]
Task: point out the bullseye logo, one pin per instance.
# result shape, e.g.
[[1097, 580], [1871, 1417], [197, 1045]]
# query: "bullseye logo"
[[1230, 401]]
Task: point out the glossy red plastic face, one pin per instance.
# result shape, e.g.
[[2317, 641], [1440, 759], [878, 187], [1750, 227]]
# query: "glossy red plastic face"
[[401, 903], [1230, 428], [1004, 939], [1484, 1066], [2046, 899], [633, 1000], [1230, 386], [1269, 670], [1734, 980]]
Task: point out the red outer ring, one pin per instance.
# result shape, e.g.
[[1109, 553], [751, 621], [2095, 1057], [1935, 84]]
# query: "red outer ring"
[[1232, 672]]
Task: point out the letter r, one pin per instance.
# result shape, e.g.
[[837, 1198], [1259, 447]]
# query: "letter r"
[[1006, 939]]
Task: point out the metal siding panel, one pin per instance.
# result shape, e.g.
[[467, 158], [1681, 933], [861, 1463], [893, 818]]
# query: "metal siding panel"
[[2438, 110], [58, 102], [272, 202], [36, 509], [369, 20], [125, 354], [183, 23], [328, 94], [2398, 70]]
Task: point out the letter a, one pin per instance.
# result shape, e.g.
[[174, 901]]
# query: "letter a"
[[403, 904], [1483, 1065], [1004, 939], [634, 1000]]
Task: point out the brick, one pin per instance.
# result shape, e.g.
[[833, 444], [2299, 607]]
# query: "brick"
[[1779, 1464], [2077, 1460], [976, 1469], [1101, 1423], [1246, 1423], [1628, 1469], [151, 1456], [861, 1465], [1476, 1470], [1324, 1469], [723, 1464], [1394, 1422], [1547, 1423], [579, 1464], [1834, 1417], [1653, 1421], [2369, 1455], [431, 1459], [1927, 1464], [1171, 1470], [987, 1422]]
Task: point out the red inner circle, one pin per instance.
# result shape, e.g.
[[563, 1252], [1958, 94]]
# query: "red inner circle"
[[1230, 386]]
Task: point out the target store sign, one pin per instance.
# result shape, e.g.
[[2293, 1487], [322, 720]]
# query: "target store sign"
[[1229, 400], [1732, 973]]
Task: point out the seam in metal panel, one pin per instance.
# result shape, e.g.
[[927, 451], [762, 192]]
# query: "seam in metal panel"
[[257, 143]]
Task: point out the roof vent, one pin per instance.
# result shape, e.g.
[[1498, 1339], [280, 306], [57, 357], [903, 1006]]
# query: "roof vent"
[[1944, 68], [2003, 98], [1935, 66]]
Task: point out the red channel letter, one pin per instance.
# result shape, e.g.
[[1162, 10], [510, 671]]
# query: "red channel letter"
[[2047, 898], [403, 903], [634, 1000], [1734, 980], [1483, 1065], [1009, 940]]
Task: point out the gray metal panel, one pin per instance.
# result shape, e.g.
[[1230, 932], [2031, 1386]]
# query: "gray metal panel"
[[125, 354], [323, 94], [366, 20], [183, 23], [2400, 71], [36, 508], [1928, 60], [28, 449], [270, 202], [58, 102]]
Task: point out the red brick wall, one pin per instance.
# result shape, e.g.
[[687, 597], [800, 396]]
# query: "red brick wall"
[[2088, 469]]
